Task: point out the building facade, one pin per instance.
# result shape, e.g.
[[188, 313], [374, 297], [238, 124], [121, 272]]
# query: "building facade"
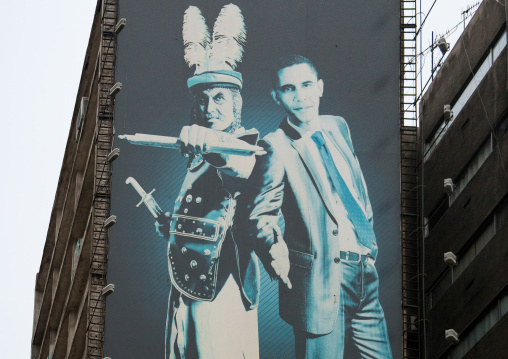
[[71, 286], [464, 298], [464, 187], [72, 283]]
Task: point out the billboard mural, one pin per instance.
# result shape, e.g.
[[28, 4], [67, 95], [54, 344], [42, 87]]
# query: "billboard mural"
[[270, 133]]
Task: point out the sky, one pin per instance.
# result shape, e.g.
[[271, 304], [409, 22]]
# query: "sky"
[[43, 49]]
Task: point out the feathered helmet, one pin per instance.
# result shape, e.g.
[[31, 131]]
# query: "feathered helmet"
[[215, 58]]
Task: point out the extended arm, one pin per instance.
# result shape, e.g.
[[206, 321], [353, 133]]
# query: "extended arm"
[[196, 139], [265, 196]]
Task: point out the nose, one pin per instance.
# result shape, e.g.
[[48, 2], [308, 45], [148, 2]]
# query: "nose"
[[210, 106], [300, 94], [204, 105]]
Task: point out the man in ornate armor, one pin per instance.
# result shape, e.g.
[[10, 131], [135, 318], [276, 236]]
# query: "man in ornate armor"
[[214, 275]]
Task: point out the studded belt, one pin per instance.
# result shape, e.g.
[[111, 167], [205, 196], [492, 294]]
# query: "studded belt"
[[193, 255], [188, 226]]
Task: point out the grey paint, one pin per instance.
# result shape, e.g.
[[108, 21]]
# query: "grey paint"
[[473, 291], [471, 127], [475, 41], [485, 279], [485, 191]]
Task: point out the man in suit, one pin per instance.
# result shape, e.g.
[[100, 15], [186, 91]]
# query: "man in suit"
[[312, 174]]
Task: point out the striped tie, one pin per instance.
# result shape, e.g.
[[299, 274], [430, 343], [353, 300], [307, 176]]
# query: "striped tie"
[[362, 226]]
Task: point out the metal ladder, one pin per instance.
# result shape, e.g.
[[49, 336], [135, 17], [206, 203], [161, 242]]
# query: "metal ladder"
[[410, 234], [102, 191]]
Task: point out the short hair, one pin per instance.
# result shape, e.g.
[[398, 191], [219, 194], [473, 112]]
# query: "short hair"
[[288, 61], [197, 117]]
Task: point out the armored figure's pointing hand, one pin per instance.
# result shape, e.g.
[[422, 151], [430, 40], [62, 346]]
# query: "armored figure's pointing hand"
[[198, 139]]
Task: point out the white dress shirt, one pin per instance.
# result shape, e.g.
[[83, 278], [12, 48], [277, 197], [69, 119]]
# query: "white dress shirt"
[[347, 235]]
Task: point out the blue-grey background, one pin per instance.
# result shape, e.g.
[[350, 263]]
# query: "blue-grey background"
[[355, 47]]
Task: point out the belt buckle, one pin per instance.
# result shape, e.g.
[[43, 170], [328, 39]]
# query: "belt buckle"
[[348, 256]]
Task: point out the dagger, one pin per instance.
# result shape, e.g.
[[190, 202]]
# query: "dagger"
[[147, 199]]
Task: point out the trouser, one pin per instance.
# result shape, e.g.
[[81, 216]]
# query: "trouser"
[[219, 329], [360, 330]]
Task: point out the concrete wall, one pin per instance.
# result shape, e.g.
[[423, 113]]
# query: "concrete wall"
[[486, 277]]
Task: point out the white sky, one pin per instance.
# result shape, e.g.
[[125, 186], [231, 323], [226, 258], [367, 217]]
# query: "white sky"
[[43, 49]]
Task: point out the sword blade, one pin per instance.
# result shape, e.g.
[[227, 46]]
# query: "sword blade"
[[142, 139]]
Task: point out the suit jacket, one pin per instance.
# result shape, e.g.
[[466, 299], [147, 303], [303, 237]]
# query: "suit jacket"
[[286, 179]]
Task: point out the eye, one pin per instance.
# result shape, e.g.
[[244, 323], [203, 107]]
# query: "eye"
[[308, 84], [286, 88], [201, 101], [219, 98]]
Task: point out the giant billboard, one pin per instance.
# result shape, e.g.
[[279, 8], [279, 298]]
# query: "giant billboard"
[[274, 227]]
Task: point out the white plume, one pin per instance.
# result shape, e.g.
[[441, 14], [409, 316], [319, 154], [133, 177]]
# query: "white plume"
[[196, 37], [228, 36]]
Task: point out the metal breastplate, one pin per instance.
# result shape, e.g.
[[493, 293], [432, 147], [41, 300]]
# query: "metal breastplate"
[[203, 214]]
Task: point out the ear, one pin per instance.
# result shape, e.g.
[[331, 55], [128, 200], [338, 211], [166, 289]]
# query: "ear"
[[321, 86], [275, 97]]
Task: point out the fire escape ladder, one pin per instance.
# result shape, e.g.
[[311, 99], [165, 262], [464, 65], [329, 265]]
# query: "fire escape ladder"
[[102, 191], [410, 234]]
